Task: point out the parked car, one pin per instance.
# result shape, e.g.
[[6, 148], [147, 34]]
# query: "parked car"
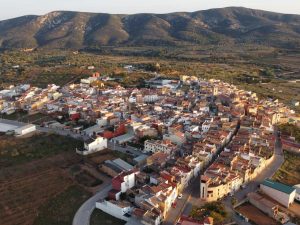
[[180, 196]]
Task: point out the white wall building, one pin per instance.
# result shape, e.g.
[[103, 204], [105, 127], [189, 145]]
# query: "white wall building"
[[115, 208], [205, 127], [281, 193], [25, 130], [297, 187], [156, 146], [102, 121], [93, 145], [150, 98], [177, 138]]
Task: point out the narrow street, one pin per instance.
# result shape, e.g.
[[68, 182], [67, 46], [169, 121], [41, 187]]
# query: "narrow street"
[[254, 184], [191, 194]]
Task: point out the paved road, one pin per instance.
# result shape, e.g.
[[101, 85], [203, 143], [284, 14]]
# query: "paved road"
[[188, 193], [83, 214]]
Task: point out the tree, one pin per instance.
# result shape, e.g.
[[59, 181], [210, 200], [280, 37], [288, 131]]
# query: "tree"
[[233, 201]]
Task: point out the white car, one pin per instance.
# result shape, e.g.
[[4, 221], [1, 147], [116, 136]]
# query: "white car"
[[179, 196]]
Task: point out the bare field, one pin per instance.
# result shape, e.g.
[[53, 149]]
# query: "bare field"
[[21, 197]]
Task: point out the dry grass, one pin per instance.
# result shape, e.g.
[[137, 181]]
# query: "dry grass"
[[289, 172], [14, 151]]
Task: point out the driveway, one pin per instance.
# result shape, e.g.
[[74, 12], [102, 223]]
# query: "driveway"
[[83, 214]]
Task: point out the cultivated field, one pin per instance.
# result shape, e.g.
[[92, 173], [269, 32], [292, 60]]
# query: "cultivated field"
[[36, 180], [21, 197]]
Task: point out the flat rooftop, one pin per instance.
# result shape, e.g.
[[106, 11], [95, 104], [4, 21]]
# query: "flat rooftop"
[[4, 127], [278, 186]]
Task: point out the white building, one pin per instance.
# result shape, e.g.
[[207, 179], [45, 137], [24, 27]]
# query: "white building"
[[117, 209], [151, 98], [281, 193], [297, 187], [177, 138], [102, 121], [93, 145], [90, 131], [156, 146], [25, 130], [205, 127], [122, 182]]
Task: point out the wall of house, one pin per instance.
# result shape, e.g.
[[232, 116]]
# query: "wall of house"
[[153, 147], [150, 98], [27, 130], [257, 171], [281, 197], [107, 170], [209, 193], [174, 139], [98, 145], [197, 168], [102, 122], [114, 210], [129, 182], [297, 197], [119, 131], [169, 200], [205, 127], [257, 204]]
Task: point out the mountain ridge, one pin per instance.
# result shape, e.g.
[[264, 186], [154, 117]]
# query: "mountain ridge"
[[70, 29]]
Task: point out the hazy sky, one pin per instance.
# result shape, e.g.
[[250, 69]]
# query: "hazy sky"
[[14, 8]]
